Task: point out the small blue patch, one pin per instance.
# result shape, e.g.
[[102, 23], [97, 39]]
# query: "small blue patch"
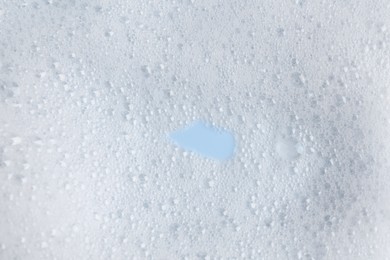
[[205, 140]]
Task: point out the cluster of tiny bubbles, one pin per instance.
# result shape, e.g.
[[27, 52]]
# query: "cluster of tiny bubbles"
[[294, 94]]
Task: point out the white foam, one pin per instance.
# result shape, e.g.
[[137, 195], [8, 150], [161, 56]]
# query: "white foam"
[[90, 91]]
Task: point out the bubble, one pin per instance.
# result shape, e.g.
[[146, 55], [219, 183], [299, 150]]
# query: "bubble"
[[288, 149]]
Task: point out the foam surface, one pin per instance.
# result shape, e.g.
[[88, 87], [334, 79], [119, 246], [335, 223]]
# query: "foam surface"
[[90, 90]]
